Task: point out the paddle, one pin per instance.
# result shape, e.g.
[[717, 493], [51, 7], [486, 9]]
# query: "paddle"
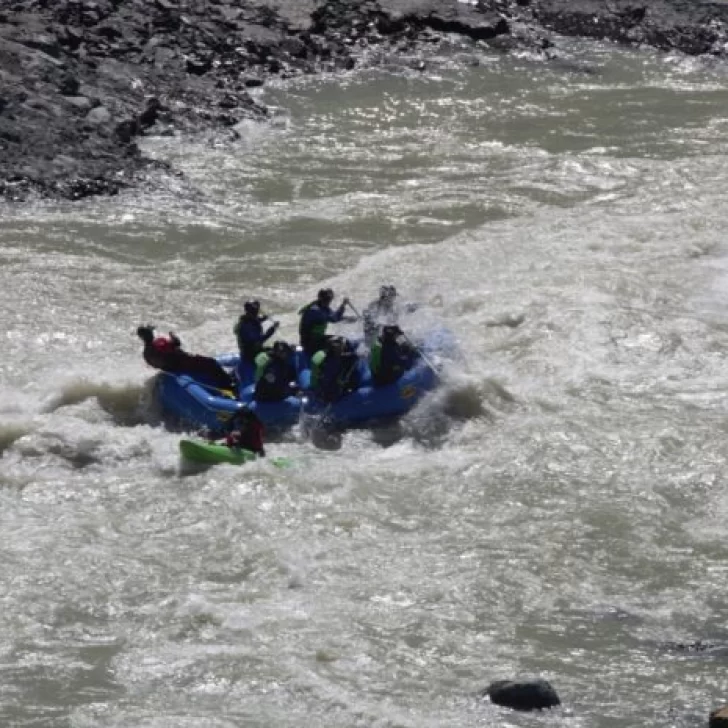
[[303, 418], [353, 308], [324, 421], [317, 429], [422, 355]]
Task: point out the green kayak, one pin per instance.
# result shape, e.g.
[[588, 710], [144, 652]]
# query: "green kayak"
[[199, 451]]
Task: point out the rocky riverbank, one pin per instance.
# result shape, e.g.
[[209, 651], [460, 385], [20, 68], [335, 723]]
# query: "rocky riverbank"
[[80, 80]]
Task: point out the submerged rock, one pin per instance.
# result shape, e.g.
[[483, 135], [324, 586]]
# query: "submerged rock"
[[526, 695], [699, 648]]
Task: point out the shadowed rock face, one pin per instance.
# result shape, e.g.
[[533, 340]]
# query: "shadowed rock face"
[[691, 27], [81, 79]]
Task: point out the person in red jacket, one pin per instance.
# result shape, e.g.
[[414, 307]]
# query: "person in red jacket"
[[167, 354], [246, 432]]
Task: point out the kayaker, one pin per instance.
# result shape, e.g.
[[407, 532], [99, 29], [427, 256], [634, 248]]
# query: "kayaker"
[[166, 353], [246, 432], [384, 311], [316, 316], [249, 331], [391, 356], [275, 373], [335, 370]]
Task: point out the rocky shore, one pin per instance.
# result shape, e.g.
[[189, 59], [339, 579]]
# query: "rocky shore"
[[80, 80]]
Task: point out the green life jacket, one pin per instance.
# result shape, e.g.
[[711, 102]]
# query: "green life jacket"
[[317, 361], [261, 362], [375, 358]]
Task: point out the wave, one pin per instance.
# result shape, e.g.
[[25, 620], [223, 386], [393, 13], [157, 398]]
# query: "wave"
[[460, 398], [11, 432], [463, 401], [128, 404]]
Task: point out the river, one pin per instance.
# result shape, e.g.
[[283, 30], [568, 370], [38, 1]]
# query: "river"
[[558, 508]]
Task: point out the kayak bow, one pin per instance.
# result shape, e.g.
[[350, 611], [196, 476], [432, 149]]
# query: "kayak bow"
[[210, 453]]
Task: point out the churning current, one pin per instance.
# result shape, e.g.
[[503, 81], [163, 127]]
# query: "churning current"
[[557, 508]]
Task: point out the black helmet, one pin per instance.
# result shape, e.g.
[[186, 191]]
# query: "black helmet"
[[326, 294], [337, 344], [252, 307], [281, 349], [146, 334], [391, 332], [388, 293]]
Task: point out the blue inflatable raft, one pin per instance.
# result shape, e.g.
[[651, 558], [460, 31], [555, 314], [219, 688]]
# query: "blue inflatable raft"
[[193, 403]]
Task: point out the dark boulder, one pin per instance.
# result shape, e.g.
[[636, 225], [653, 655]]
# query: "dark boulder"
[[719, 718], [149, 116], [126, 130], [228, 101], [70, 37], [69, 85], [198, 65], [535, 694]]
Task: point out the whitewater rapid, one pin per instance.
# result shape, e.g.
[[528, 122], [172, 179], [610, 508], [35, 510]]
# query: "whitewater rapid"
[[557, 508]]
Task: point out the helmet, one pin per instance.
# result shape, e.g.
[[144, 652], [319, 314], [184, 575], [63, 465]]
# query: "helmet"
[[281, 349], [326, 294], [391, 332], [388, 293], [146, 334], [337, 344], [252, 307]]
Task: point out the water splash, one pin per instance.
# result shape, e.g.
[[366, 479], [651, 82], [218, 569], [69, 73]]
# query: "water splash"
[[128, 404], [11, 432]]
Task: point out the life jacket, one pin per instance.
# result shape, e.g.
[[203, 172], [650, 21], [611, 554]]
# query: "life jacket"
[[251, 344], [375, 359], [332, 377], [163, 353], [250, 437], [261, 362], [273, 378], [311, 331], [388, 362], [317, 361]]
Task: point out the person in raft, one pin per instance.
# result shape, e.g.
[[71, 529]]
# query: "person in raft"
[[316, 316], [275, 374], [391, 356], [384, 311], [249, 331], [335, 370], [166, 353]]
